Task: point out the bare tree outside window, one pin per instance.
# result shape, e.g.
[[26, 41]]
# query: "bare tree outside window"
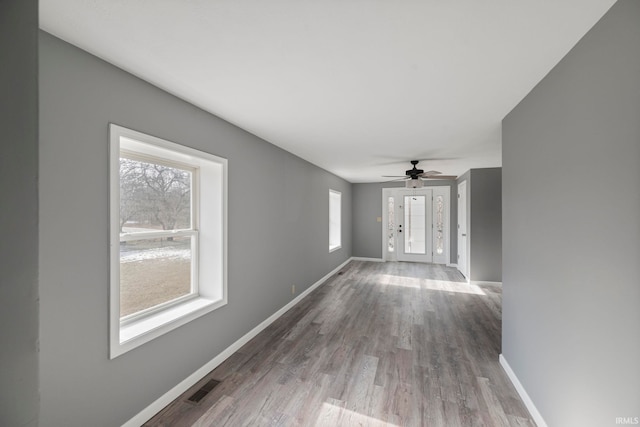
[[154, 196]]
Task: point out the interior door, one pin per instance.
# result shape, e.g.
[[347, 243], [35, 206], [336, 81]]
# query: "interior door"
[[413, 214], [462, 228]]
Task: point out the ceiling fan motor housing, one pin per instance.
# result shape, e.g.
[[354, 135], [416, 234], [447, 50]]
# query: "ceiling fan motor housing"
[[415, 172]]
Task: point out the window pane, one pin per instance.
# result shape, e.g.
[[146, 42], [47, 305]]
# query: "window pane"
[[415, 220], [153, 197], [153, 271], [335, 238]]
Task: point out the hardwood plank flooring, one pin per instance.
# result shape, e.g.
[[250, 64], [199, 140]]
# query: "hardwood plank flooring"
[[381, 344]]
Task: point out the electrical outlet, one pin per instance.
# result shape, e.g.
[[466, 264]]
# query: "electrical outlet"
[[293, 289]]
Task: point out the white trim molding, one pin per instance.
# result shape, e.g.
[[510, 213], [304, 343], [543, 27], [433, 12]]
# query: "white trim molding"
[[155, 407], [361, 258], [484, 282], [522, 392]]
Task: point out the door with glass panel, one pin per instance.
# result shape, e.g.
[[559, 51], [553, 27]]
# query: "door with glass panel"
[[415, 224], [408, 224], [414, 221]]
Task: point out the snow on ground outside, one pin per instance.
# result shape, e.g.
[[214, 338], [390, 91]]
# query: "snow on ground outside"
[[168, 253]]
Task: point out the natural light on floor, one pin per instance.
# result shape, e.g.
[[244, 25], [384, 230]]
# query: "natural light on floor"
[[333, 415], [434, 285]]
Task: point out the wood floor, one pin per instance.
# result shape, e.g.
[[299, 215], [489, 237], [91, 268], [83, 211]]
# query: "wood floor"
[[381, 344]]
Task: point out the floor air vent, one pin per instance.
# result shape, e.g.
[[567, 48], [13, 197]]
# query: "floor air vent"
[[203, 391]]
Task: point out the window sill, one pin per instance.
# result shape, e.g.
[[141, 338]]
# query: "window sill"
[[140, 331], [334, 248]]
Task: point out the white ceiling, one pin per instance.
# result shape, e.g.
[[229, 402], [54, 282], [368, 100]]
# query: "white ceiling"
[[357, 87]]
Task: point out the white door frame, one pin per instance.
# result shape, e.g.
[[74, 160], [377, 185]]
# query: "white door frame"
[[463, 232]]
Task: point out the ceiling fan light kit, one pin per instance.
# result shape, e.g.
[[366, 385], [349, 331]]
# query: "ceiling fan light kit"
[[414, 183]]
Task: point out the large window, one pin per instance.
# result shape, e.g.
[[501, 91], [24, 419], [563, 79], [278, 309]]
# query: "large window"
[[335, 233], [168, 212]]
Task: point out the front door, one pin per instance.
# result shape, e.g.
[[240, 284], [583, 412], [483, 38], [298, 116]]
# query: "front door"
[[415, 224], [413, 213]]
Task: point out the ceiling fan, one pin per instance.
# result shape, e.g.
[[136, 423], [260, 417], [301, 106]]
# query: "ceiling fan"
[[414, 177]]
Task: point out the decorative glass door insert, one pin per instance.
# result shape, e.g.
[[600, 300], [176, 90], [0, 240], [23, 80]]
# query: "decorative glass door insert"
[[415, 229]]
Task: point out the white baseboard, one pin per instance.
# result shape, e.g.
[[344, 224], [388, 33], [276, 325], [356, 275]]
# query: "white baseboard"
[[485, 282], [454, 265], [359, 258], [155, 407], [523, 393]]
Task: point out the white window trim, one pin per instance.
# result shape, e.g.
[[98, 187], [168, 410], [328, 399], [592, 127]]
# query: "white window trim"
[[135, 330], [333, 193]]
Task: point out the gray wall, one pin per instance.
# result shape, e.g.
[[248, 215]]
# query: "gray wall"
[[19, 213], [278, 237], [367, 207], [485, 224], [571, 236]]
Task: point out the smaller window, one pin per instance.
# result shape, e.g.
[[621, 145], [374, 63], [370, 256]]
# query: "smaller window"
[[335, 214]]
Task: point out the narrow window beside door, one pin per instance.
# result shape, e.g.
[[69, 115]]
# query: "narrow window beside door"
[[439, 224], [391, 224]]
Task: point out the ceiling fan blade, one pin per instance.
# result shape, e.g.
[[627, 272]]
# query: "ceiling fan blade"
[[395, 176], [440, 177], [431, 173], [396, 180]]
